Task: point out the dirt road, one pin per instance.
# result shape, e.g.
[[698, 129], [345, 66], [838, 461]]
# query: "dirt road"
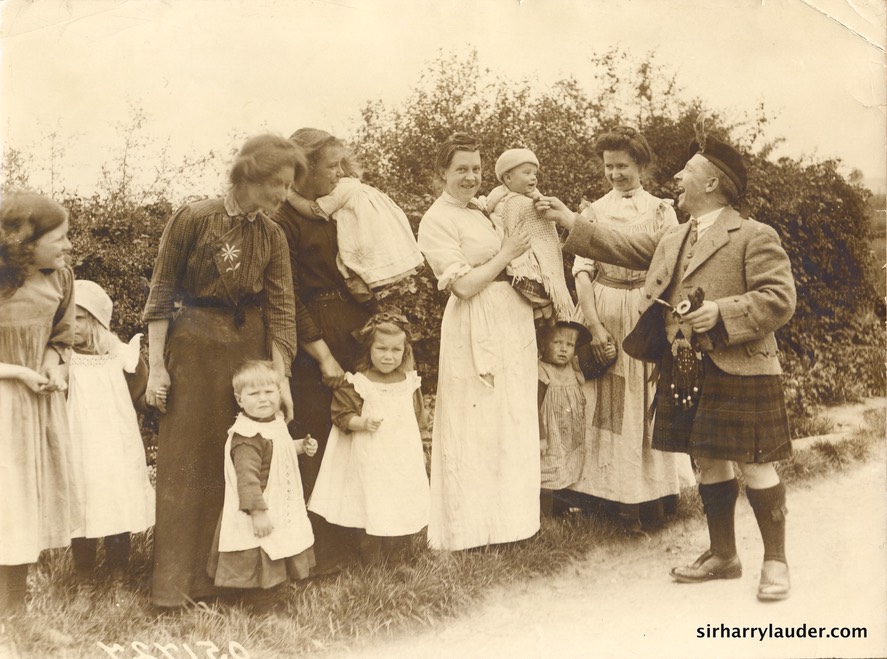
[[622, 602]]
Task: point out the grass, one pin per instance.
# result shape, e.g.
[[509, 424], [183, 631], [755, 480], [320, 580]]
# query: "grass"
[[361, 603]]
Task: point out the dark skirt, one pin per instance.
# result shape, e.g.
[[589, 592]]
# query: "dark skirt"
[[738, 417], [337, 319], [253, 568], [203, 349]]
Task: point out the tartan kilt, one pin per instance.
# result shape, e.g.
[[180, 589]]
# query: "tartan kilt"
[[738, 417]]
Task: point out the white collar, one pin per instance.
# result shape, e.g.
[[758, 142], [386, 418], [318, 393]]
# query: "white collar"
[[233, 208], [705, 221]]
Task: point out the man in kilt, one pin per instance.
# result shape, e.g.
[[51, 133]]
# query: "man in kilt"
[[719, 396]]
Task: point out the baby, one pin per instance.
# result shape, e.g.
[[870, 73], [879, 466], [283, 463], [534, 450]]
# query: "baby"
[[538, 274]]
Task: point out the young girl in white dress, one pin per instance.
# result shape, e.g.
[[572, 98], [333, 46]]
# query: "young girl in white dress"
[[376, 244], [373, 473], [263, 537], [105, 377]]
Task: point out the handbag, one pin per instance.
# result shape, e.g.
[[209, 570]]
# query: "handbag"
[[590, 366]]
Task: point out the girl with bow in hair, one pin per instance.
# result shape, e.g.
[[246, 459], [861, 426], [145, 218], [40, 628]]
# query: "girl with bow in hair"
[[373, 473]]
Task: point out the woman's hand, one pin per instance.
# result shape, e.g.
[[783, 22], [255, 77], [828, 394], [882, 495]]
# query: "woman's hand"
[[554, 210], [158, 388], [32, 379], [602, 343], [515, 245], [704, 318], [286, 400], [262, 525], [331, 373], [56, 378]]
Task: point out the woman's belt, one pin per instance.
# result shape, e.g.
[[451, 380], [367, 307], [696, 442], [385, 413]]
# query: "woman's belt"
[[238, 308], [327, 295], [626, 284]]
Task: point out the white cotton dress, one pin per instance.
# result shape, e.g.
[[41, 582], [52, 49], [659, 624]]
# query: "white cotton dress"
[[376, 481], [374, 236], [485, 472], [110, 471], [620, 463]]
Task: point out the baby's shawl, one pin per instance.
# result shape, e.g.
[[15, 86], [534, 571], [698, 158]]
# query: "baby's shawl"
[[544, 261], [283, 494]]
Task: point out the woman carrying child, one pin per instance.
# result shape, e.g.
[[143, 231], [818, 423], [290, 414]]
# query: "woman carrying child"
[[106, 377], [326, 316], [263, 536], [485, 446], [36, 330], [373, 473], [228, 264]]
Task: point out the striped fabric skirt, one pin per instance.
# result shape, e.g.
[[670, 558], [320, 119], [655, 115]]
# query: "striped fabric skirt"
[[738, 417]]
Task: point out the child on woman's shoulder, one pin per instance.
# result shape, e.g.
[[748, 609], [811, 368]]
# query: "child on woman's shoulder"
[[263, 537], [376, 243], [538, 273], [373, 472], [106, 379], [561, 411]]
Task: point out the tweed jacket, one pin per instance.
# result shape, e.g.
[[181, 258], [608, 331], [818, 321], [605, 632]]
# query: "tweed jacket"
[[739, 264]]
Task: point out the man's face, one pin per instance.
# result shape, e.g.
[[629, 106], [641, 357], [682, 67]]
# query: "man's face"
[[694, 183]]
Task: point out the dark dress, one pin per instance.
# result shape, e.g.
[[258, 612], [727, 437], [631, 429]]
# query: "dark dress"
[[324, 310], [231, 273]]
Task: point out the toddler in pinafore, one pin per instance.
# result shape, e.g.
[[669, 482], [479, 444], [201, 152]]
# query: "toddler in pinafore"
[[263, 537], [106, 378], [376, 243], [373, 473], [561, 411], [538, 274]]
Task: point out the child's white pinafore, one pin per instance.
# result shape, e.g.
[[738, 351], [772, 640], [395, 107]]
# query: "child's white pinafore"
[[376, 480], [110, 471], [283, 494]]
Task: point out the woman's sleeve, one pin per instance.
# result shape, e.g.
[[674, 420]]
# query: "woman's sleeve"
[[580, 263], [346, 404], [441, 244], [281, 299], [341, 195], [176, 243], [306, 330], [62, 336], [246, 454]]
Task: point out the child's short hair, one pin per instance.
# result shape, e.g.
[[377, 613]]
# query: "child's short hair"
[[390, 322], [255, 372], [351, 166]]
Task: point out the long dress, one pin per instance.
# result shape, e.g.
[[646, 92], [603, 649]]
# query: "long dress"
[[232, 273], [109, 457], [35, 458], [324, 310], [485, 472], [620, 462], [376, 481]]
